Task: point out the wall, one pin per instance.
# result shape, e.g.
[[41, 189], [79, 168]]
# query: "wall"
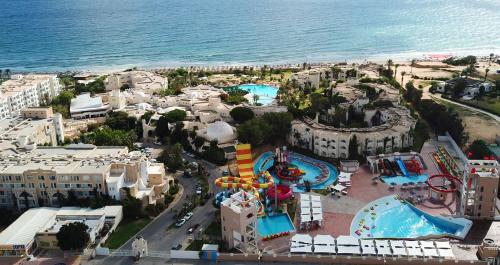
[[184, 254], [333, 259]]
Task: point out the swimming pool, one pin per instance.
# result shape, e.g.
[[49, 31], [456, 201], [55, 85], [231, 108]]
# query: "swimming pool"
[[265, 161], [271, 225], [389, 217], [400, 180], [266, 93]]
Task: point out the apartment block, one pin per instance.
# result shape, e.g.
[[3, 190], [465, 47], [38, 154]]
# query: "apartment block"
[[23, 91]]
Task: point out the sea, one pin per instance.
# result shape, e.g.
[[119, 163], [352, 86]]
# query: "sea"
[[60, 35]]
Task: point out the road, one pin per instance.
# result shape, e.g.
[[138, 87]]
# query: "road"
[[162, 261], [156, 234]]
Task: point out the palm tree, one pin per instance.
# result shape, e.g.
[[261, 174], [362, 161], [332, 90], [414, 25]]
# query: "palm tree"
[[486, 71], [491, 57], [413, 61], [403, 73], [389, 64], [396, 69], [25, 195]]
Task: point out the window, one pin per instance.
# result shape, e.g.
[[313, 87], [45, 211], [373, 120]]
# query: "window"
[[481, 189], [66, 186], [18, 178], [52, 177], [41, 177]]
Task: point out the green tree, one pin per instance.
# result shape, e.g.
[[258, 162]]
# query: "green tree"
[[254, 131], [214, 154], [120, 120], [280, 124], [241, 114], [198, 142], [353, 148], [175, 115], [73, 236], [459, 87], [478, 150], [132, 207]]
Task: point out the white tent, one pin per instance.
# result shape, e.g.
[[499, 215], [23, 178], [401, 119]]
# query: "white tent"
[[305, 204], [429, 249], [315, 198], [413, 248], [301, 244], [444, 249], [348, 245], [368, 247], [315, 204], [317, 217], [316, 210], [339, 187], [305, 197], [344, 177], [383, 247], [398, 248], [324, 244]]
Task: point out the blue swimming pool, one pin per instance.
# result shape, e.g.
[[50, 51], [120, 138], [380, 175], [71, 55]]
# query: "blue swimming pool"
[[265, 161], [389, 217], [400, 180], [266, 93], [275, 224]]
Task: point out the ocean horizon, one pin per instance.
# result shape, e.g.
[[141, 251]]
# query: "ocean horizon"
[[57, 35]]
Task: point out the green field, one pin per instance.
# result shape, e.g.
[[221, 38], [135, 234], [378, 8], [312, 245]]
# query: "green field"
[[126, 230], [487, 103]]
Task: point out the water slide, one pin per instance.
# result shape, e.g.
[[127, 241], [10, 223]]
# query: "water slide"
[[284, 192], [402, 167], [387, 164]]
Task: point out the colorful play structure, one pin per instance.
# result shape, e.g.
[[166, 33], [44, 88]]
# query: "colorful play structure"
[[285, 170], [399, 167], [251, 182]]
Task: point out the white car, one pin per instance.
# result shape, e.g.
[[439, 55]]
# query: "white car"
[[188, 216], [181, 222], [157, 143]]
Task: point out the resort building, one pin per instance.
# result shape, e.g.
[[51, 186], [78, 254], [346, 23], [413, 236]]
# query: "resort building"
[[145, 81], [84, 107], [239, 222], [394, 133], [472, 86], [310, 78], [23, 91], [117, 99], [37, 228], [18, 134], [41, 176], [480, 189]]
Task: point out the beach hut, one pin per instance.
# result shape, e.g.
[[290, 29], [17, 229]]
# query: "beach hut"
[[368, 247], [429, 249], [383, 247], [324, 244], [398, 248], [348, 245], [301, 243], [413, 248], [444, 249]]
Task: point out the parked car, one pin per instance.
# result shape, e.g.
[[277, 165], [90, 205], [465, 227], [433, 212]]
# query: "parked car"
[[157, 143], [181, 222], [193, 228], [225, 172], [188, 216], [177, 247], [198, 191]]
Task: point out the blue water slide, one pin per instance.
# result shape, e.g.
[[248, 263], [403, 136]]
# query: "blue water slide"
[[402, 167]]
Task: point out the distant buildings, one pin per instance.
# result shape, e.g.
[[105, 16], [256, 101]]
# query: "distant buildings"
[[328, 141], [472, 86], [311, 78], [26, 91], [147, 82], [37, 228], [85, 107], [39, 176]]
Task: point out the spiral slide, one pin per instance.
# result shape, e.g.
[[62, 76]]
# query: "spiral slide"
[[456, 182], [284, 192]]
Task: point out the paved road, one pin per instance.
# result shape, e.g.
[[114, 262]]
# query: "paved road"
[[495, 117], [162, 261], [159, 239]]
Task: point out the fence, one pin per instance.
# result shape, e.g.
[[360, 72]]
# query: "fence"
[[334, 259]]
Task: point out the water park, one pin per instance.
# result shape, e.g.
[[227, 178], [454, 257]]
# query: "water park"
[[397, 197]]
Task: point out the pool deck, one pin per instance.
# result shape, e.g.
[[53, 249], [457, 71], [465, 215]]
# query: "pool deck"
[[338, 213]]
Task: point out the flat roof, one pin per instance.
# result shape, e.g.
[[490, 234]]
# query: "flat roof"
[[24, 229]]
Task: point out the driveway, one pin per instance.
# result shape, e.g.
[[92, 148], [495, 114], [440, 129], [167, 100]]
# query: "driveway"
[[495, 117], [156, 234]]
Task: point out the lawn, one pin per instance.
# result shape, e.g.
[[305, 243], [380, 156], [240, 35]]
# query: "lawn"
[[488, 104], [212, 235], [126, 230]]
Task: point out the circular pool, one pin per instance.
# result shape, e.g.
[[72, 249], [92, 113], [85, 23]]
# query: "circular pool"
[[312, 170], [266, 93]]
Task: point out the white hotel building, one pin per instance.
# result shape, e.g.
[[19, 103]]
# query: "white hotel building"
[[26, 91]]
